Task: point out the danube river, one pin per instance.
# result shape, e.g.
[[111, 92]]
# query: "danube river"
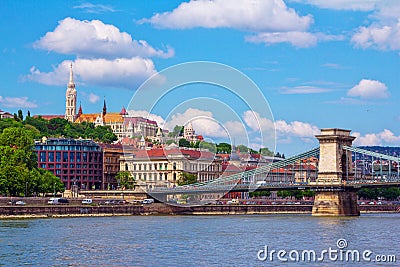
[[201, 241]]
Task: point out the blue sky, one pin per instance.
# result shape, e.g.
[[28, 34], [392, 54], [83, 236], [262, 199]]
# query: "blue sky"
[[318, 63]]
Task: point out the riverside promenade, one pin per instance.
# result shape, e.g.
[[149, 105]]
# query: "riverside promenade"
[[71, 210]]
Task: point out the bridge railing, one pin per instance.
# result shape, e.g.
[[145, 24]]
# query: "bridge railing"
[[372, 167]]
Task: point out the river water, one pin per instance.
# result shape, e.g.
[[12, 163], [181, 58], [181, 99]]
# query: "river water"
[[200, 240]]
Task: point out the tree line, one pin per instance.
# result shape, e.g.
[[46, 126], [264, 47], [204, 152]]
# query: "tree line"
[[58, 127], [19, 174]]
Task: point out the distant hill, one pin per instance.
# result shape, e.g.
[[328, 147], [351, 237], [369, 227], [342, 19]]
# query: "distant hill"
[[387, 150]]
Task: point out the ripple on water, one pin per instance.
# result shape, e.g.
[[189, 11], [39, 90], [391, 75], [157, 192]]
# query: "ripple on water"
[[186, 240]]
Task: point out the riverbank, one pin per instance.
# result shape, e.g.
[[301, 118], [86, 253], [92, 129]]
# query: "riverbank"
[[51, 211]]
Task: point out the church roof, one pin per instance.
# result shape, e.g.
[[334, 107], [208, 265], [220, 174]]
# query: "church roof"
[[123, 111], [86, 118]]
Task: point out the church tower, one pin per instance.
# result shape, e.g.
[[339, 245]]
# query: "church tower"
[[70, 96]]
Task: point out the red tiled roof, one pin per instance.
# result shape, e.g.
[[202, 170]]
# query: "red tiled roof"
[[162, 153]]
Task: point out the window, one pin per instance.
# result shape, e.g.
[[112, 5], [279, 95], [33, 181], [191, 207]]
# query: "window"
[[78, 156], [84, 156], [58, 156], [71, 156], [51, 156], [42, 156], [65, 156], [43, 166], [126, 167], [174, 176]]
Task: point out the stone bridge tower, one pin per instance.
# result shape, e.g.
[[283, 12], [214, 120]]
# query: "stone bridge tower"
[[335, 167]]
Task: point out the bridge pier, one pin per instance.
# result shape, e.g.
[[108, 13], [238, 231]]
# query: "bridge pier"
[[335, 167], [335, 203]]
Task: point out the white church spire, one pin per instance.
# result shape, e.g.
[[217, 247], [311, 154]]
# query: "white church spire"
[[70, 98]]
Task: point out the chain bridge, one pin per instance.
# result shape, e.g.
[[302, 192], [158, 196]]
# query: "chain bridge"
[[335, 171]]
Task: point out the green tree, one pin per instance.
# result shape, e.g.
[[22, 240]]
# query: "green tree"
[[39, 123], [126, 180], [184, 143], [168, 142], [21, 142], [263, 193], [20, 115], [8, 123], [298, 194], [266, 152], [178, 131], [187, 178], [224, 148], [209, 146], [19, 174]]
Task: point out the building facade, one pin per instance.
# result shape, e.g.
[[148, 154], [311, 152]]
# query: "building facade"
[[78, 163], [160, 167], [111, 166]]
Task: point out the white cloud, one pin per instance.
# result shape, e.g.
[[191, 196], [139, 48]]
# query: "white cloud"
[[95, 8], [362, 5], [203, 122], [17, 102], [93, 98], [296, 128], [369, 89], [284, 130], [122, 72], [385, 37], [300, 39], [333, 66], [256, 122], [90, 39], [306, 89], [256, 15], [297, 39], [236, 129], [348, 101], [386, 137]]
